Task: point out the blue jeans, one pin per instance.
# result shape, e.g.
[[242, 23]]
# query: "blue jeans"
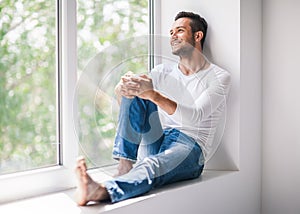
[[161, 156]]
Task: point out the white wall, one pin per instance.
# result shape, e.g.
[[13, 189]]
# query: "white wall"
[[281, 106]]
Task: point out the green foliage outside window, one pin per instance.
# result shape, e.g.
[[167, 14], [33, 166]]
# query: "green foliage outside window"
[[28, 110], [107, 31], [27, 84]]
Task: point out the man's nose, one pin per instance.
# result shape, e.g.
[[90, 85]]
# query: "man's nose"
[[174, 36]]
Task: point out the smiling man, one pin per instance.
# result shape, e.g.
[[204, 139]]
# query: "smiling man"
[[167, 120]]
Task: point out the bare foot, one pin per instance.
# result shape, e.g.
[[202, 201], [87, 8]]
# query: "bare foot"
[[87, 189], [124, 166]]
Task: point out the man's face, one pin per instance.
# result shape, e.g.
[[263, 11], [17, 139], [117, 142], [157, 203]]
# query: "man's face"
[[182, 40]]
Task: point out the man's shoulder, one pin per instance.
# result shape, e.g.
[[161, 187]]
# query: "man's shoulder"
[[220, 72], [164, 67], [219, 69], [219, 75]]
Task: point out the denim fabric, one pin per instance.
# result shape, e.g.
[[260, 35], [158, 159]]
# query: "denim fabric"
[[163, 156], [139, 126]]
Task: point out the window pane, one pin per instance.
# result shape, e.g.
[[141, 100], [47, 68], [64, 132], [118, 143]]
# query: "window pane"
[[27, 85], [112, 39]]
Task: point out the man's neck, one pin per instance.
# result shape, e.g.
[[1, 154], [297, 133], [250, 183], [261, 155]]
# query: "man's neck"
[[193, 63]]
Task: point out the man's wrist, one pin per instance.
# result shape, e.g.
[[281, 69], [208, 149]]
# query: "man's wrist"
[[154, 96]]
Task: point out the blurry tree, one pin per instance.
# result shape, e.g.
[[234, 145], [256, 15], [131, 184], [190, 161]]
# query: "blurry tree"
[[28, 77], [27, 84], [104, 26]]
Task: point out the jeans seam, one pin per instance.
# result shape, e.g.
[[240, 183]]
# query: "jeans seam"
[[118, 156]]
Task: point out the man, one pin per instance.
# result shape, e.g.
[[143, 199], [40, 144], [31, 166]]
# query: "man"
[[167, 121]]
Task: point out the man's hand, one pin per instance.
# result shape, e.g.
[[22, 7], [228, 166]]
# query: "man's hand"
[[120, 89], [144, 90], [131, 86], [142, 86]]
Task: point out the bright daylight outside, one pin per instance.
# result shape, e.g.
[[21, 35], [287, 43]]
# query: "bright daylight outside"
[[112, 39], [28, 138], [106, 29]]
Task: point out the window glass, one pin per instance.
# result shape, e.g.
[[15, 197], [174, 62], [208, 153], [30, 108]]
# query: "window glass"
[[112, 39], [28, 122]]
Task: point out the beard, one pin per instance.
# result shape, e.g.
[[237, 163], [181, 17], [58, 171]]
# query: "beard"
[[183, 48]]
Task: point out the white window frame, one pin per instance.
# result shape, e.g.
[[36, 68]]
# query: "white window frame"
[[51, 179], [32, 183]]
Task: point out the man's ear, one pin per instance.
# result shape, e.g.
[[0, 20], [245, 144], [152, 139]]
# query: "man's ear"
[[198, 36]]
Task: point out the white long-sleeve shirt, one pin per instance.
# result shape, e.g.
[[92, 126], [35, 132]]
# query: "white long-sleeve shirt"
[[200, 97]]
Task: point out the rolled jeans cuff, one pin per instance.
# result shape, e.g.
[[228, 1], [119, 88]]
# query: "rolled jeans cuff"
[[124, 149]]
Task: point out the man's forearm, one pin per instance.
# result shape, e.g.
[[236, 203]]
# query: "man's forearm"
[[163, 102]]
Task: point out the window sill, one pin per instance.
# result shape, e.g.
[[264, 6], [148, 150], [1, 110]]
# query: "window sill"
[[63, 202], [17, 186]]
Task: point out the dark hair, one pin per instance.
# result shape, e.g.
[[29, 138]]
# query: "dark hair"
[[197, 23]]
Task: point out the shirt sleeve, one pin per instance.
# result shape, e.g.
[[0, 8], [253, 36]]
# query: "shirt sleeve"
[[208, 101], [155, 75]]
